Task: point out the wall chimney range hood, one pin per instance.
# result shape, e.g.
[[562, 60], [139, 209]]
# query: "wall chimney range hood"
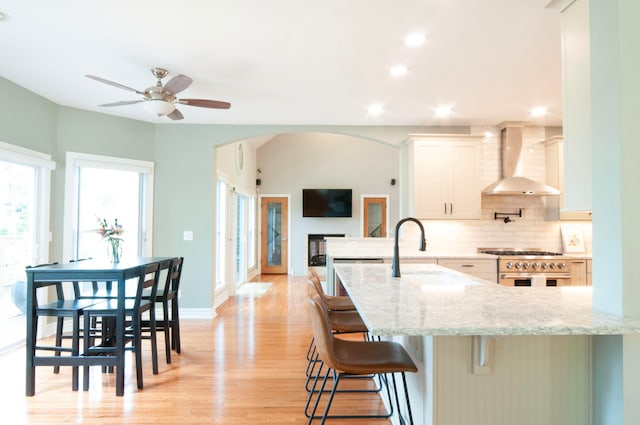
[[511, 182]]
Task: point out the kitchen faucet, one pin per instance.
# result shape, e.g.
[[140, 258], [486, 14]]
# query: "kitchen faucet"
[[395, 267]]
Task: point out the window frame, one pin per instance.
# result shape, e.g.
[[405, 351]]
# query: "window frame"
[[75, 160], [43, 166]]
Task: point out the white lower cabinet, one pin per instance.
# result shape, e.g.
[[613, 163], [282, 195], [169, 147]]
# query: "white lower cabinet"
[[483, 268], [486, 269]]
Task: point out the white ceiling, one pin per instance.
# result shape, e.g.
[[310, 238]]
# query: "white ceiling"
[[294, 61]]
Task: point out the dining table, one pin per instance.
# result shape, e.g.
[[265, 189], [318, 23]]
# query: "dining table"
[[122, 273]]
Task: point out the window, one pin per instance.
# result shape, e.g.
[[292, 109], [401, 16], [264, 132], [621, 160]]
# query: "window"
[[241, 240], [24, 231], [251, 232], [221, 232], [108, 188]]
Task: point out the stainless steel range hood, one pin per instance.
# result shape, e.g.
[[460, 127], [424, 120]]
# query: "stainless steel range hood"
[[511, 182]]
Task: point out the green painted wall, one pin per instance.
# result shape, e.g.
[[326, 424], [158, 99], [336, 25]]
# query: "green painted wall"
[[184, 157], [26, 119]]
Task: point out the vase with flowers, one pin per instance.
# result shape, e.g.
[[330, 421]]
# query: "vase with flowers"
[[113, 235]]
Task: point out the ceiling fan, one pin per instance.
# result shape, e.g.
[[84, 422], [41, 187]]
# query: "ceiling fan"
[[161, 100]]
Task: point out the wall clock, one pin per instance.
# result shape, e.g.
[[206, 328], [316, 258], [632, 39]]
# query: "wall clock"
[[239, 158]]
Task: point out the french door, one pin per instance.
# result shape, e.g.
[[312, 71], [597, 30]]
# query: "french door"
[[24, 232], [274, 239]]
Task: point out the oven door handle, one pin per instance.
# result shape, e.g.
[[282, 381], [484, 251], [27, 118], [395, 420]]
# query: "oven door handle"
[[530, 276]]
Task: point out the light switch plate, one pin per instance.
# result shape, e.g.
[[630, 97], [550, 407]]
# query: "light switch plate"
[[187, 235]]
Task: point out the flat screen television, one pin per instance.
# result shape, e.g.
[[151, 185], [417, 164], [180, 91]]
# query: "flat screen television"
[[326, 202]]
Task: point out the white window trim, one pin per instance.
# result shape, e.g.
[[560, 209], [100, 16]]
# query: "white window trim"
[[44, 165], [74, 160]]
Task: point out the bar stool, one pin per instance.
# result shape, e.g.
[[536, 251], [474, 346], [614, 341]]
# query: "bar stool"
[[345, 358], [340, 322], [333, 302]]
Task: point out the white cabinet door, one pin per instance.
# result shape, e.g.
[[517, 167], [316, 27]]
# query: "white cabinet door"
[[483, 268], [464, 180], [576, 113], [446, 177], [554, 172], [431, 194]]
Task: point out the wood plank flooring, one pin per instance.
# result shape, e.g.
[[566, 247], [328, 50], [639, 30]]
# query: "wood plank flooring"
[[246, 366]]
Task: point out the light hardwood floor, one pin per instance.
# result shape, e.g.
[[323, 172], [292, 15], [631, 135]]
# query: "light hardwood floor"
[[246, 366]]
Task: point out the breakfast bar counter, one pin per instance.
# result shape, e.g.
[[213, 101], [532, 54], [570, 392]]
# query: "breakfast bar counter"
[[432, 300], [486, 354]]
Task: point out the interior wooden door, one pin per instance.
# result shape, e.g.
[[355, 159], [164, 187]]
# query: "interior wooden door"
[[374, 217], [274, 238]]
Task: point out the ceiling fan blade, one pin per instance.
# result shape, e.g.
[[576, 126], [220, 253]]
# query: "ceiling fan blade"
[[178, 83], [112, 83], [176, 115], [121, 103], [205, 103]]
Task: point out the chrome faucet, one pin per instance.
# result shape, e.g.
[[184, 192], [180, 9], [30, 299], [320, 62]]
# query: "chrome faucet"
[[395, 267]]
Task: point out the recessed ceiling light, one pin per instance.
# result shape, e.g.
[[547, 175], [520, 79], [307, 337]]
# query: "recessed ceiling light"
[[415, 39], [540, 111], [375, 109], [4, 17], [443, 111], [398, 70]]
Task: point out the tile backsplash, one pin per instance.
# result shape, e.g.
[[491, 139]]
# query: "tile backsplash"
[[531, 230]]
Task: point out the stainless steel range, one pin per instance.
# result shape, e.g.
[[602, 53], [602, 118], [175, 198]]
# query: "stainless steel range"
[[530, 267]]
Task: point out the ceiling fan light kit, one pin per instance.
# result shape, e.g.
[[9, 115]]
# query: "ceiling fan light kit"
[[159, 107], [161, 100]]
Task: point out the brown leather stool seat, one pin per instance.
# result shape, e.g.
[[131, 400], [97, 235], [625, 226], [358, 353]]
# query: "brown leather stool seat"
[[338, 303], [346, 322], [345, 357]]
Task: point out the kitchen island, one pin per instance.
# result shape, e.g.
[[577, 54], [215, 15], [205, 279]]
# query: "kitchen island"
[[487, 354]]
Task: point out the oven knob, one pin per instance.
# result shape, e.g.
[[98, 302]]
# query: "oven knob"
[[545, 266], [562, 266], [508, 265], [525, 265], [518, 265], [552, 266], [535, 266]]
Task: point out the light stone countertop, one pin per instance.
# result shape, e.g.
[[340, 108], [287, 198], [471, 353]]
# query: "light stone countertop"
[[432, 300]]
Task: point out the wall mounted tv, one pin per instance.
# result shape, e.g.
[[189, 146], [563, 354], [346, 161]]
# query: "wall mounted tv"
[[326, 202]]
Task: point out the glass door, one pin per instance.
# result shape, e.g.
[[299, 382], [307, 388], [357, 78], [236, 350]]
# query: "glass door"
[[275, 236], [374, 210], [17, 220], [24, 232]]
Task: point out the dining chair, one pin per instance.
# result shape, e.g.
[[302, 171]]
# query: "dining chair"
[[167, 297], [60, 309], [343, 358], [134, 308]]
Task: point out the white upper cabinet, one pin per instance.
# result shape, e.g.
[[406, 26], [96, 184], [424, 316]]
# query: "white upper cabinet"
[[554, 172], [445, 182], [577, 106]]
